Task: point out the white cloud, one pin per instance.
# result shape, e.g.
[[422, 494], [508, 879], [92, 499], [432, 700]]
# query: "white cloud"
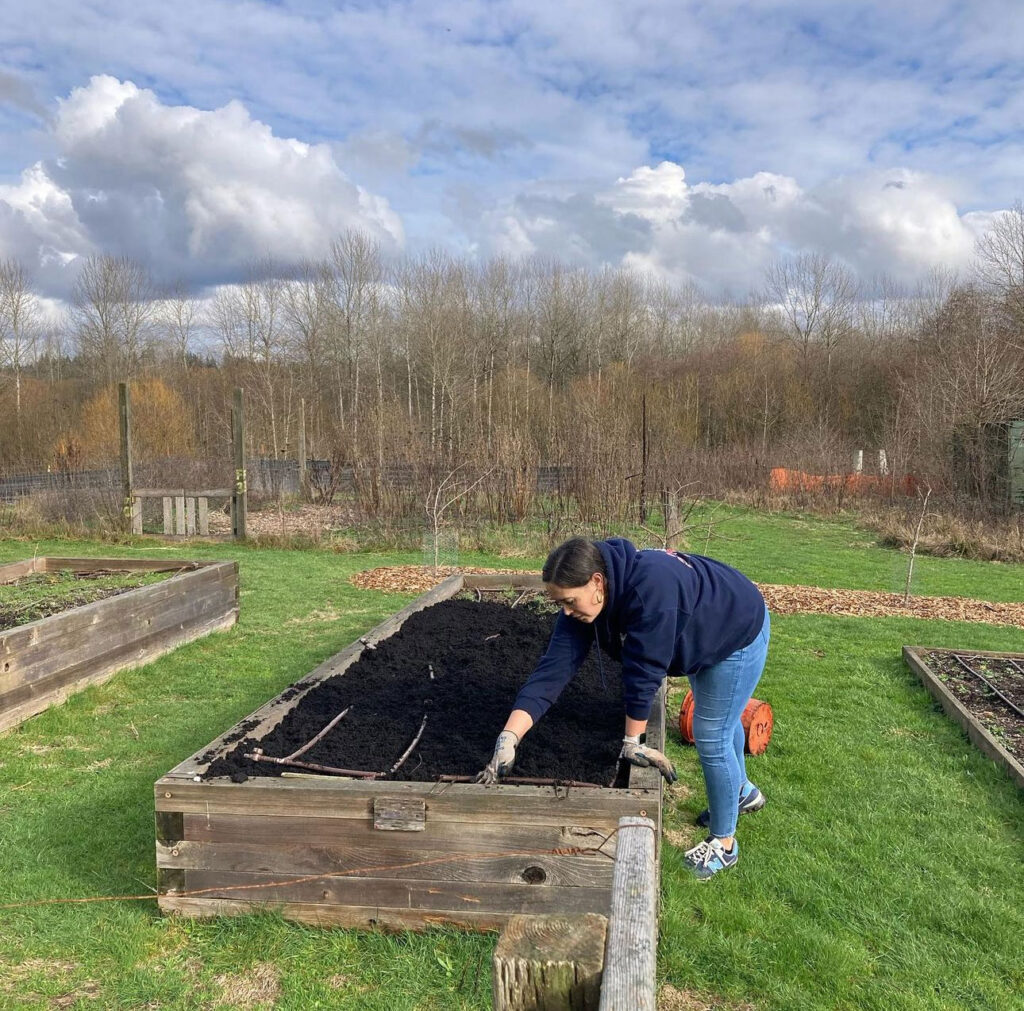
[[723, 235], [193, 194]]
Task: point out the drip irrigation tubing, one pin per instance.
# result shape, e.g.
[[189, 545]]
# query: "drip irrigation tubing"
[[988, 684]]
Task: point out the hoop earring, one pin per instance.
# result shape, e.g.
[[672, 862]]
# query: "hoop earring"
[[599, 599]]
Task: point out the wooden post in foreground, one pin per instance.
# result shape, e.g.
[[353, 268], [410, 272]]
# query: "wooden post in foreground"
[[549, 963], [130, 509], [630, 957], [238, 499]]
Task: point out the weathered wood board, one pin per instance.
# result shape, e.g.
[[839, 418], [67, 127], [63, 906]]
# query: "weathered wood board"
[[319, 848], [44, 662]]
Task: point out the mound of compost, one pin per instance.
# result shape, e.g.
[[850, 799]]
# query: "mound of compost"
[[481, 652]]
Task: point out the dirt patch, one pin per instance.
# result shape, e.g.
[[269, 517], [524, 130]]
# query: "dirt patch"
[[480, 654], [966, 674], [672, 999], [780, 599], [258, 988]]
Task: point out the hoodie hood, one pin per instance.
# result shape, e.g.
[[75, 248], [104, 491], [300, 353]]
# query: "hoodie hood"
[[619, 557]]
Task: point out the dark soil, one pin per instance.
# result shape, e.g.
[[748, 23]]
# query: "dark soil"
[[998, 718], [481, 653]]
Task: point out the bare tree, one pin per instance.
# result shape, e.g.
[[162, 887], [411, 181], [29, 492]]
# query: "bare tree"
[[180, 318], [19, 330], [114, 310], [1000, 254], [250, 320]]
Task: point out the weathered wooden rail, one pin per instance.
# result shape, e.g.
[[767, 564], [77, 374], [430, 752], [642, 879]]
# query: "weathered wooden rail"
[[327, 850], [43, 662]]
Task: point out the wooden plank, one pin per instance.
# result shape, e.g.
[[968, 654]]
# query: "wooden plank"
[[503, 581], [261, 889], [549, 962], [136, 515], [55, 563], [124, 417], [138, 658], [203, 515], [73, 676], [103, 641], [64, 646], [630, 960], [77, 651], [190, 516], [357, 835], [13, 571], [179, 515], [394, 860], [650, 778], [976, 731], [399, 814], [320, 915], [239, 506], [168, 515], [354, 799], [116, 608]]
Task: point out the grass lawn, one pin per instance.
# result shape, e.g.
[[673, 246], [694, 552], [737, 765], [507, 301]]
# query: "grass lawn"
[[885, 871]]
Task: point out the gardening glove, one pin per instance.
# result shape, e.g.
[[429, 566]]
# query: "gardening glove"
[[503, 758], [639, 754]]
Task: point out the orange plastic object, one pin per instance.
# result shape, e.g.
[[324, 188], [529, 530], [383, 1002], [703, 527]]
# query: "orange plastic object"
[[757, 719]]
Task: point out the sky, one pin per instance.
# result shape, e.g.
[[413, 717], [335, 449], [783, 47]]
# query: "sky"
[[698, 140]]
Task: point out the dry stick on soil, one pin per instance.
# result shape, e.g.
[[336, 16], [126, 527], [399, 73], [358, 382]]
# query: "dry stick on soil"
[[323, 733], [258, 756], [522, 596], [521, 780], [913, 547], [408, 751], [988, 684]]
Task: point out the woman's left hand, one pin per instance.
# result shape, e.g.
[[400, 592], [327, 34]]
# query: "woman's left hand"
[[641, 755]]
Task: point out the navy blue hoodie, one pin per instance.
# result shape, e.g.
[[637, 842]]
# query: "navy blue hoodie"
[[664, 613]]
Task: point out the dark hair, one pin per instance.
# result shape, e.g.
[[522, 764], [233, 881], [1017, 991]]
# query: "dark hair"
[[573, 563]]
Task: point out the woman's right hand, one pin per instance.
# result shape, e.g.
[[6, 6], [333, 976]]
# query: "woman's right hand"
[[503, 758]]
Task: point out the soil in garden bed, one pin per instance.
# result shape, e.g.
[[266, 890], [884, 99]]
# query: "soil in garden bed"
[[481, 653], [1005, 675], [43, 594]]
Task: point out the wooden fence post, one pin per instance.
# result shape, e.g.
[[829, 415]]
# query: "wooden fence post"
[[303, 476], [631, 955], [549, 963], [130, 509], [238, 500]]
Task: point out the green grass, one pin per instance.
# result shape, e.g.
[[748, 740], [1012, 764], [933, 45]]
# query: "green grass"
[[885, 871]]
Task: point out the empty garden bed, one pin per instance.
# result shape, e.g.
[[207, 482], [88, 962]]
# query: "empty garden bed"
[[983, 692], [66, 623], [349, 798]]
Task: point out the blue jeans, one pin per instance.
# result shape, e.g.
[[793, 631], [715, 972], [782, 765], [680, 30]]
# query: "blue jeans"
[[720, 694]]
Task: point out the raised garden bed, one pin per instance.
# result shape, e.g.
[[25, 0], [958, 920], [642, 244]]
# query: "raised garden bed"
[[43, 662], [983, 692], [407, 848]]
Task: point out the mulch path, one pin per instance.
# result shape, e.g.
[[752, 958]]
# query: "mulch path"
[[780, 599]]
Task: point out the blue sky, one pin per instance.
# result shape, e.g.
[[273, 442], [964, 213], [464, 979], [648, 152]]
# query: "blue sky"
[[696, 140]]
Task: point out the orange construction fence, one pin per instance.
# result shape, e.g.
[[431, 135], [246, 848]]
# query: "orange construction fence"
[[781, 479]]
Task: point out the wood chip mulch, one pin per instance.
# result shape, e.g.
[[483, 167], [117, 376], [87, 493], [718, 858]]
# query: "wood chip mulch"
[[780, 599]]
